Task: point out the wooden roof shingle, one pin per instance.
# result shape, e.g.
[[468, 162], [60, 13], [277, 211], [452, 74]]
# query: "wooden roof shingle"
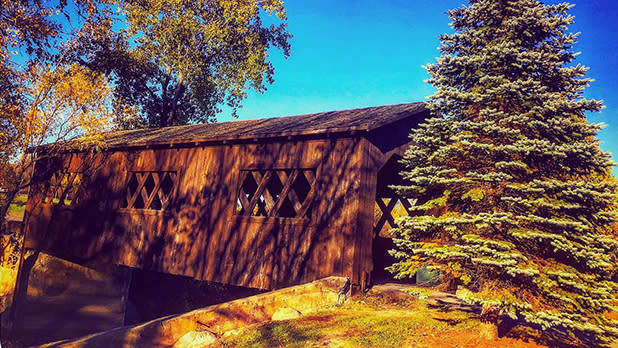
[[363, 119]]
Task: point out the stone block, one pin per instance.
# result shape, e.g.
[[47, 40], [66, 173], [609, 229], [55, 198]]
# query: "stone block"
[[286, 313], [196, 339]]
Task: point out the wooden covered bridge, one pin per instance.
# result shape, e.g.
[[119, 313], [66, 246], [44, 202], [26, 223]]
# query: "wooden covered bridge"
[[261, 203]]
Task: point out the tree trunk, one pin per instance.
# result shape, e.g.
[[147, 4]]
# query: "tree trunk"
[[168, 118]]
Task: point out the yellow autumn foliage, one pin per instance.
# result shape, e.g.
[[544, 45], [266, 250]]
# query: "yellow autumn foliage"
[[8, 268]]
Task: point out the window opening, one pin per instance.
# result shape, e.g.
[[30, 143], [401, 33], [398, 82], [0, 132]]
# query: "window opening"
[[150, 190], [286, 193], [389, 204], [387, 210], [63, 188]]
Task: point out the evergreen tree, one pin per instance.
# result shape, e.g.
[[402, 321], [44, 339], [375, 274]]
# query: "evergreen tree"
[[515, 204]]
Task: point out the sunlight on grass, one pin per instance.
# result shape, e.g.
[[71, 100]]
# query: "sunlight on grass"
[[372, 322], [352, 325], [18, 207], [286, 333]]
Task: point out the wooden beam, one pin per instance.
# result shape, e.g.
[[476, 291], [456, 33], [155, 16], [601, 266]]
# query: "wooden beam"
[[141, 179], [308, 200], [155, 190], [288, 181], [386, 213], [262, 181]]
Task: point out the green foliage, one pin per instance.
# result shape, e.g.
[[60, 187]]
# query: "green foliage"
[[42, 100], [31, 31], [475, 194], [530, 206], [178, 60]]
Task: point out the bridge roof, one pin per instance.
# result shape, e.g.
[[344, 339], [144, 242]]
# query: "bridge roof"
[[331, 122]]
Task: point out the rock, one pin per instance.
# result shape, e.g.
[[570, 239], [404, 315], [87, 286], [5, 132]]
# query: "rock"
[[285, 313], [232, 332], [196, 339], [391, 292]]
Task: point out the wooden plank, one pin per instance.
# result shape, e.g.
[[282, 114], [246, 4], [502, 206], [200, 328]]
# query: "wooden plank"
[[242, 195], [287, 184], [269, 199], [200, 236], [386, 213], [302, 211], [141, 179], [296, 203], [262, 181], [173, 175], [155, 190], [351, 207], [369, 175], [185, 231], [164, 199]]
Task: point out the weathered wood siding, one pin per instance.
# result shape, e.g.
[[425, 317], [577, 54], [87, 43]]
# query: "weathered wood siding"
[[199, 235]]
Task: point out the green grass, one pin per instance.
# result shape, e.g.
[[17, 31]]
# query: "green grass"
[[286, 333], [374, 322], [18, 207], [357, 324]]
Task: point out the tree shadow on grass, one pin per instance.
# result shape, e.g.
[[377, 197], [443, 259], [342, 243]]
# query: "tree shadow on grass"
[[280, 333]]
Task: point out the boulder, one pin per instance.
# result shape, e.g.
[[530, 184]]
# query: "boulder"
[[196, 339], [286, 313]]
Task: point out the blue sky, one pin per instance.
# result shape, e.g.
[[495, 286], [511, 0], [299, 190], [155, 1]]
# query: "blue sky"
[[349, 54]]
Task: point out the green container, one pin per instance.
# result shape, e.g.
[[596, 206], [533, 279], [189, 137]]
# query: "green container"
[[428, 276]]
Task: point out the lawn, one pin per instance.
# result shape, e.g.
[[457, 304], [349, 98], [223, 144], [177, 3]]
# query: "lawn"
[[18, 207], [368, 322]]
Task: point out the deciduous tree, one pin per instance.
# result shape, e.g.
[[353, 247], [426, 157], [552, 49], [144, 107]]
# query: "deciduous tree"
[[23, 25], [31, 34], [60, 103], [177, 61], [516, 204]]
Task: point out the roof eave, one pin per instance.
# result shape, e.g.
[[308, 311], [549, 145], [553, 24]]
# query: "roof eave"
[[333, 132]]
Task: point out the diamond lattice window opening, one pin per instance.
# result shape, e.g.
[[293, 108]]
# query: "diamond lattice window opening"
[[386, 212], [63, 188], [284, 193], [150, 190]]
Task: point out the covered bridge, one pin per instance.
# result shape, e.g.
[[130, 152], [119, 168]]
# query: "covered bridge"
[[261, 203]]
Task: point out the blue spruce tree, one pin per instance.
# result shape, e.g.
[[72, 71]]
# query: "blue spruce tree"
[[517, 208]]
